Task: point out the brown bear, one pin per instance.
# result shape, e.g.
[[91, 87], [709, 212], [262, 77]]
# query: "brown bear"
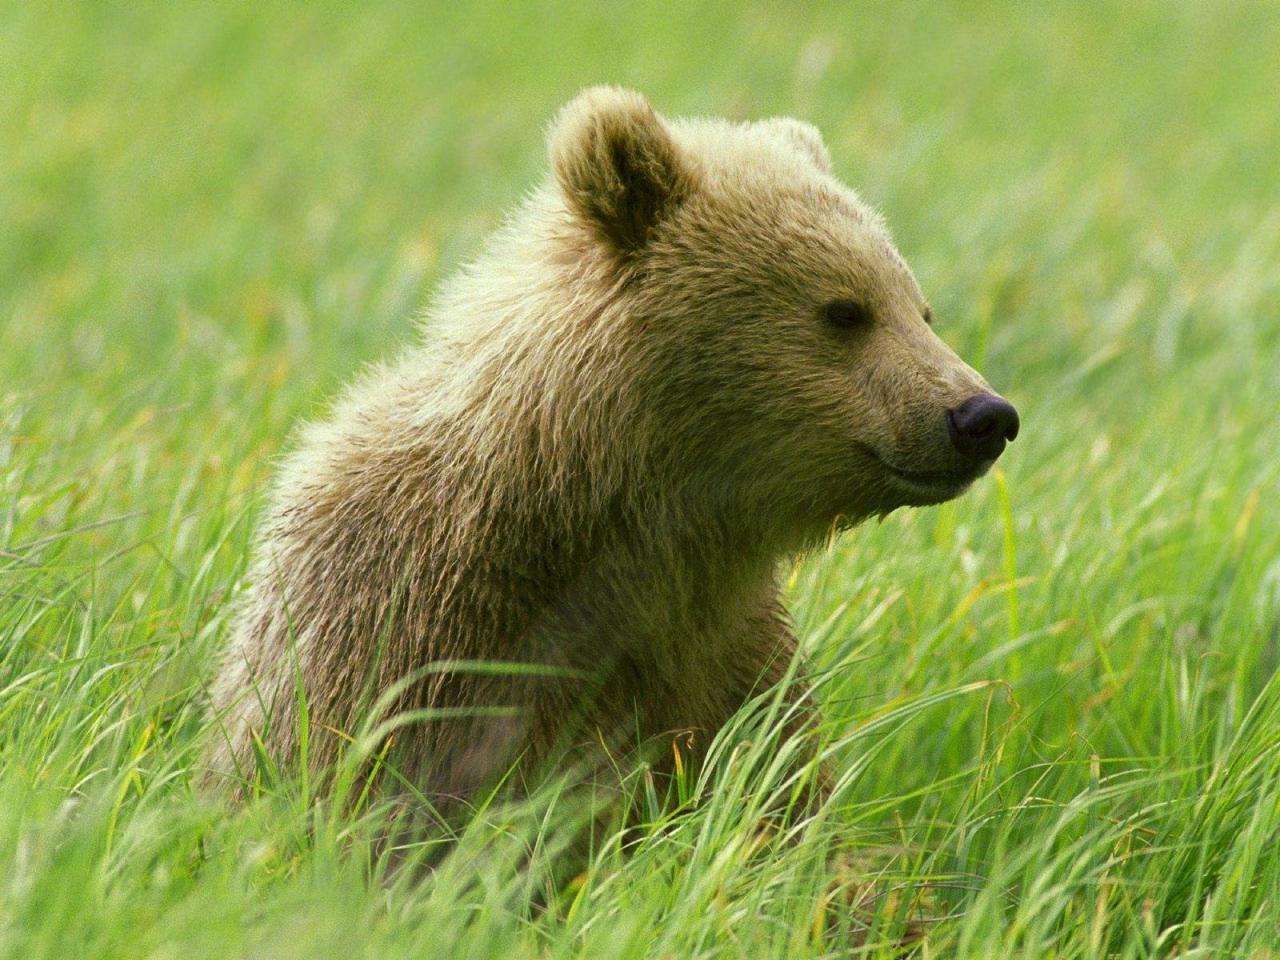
[[556, 520]]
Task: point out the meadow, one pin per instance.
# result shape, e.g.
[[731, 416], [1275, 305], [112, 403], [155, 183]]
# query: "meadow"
[[1054, 716]]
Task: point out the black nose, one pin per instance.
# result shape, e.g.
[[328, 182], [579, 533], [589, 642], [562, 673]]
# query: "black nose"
[[981, 425]]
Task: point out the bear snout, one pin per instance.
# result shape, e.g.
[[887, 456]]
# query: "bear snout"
[[982, 425]]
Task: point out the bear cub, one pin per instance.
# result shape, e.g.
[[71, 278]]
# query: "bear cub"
[[552, 526]]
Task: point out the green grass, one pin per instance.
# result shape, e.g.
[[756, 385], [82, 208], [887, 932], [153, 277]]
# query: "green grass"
[[1052, 703]]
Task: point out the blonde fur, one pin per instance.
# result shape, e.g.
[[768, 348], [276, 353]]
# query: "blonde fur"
[[618, 420]]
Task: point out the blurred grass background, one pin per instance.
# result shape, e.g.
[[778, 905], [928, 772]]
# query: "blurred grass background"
[[212, 214]]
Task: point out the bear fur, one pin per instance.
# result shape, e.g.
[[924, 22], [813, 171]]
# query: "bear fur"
[[619, 420]]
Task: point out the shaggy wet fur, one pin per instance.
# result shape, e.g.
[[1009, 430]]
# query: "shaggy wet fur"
[[618, 421]]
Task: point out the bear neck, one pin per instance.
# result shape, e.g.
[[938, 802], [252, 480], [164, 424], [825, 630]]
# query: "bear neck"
[[571, 461]]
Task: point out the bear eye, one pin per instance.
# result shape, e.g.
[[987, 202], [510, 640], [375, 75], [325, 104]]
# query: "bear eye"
[[847, 314]]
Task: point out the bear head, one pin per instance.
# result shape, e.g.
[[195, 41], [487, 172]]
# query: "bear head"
[[790, 350]]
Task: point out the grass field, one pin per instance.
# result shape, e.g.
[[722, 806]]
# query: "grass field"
[[1056, 722]]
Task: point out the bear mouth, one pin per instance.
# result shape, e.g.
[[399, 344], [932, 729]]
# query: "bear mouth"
[[940, 484]]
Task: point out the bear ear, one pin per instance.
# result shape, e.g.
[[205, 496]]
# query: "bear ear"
[[804, 137], [618, 165]]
